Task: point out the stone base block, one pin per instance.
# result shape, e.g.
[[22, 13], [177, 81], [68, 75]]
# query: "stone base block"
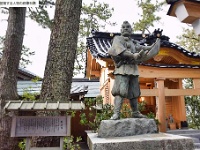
[[159, 141], [126, 127]]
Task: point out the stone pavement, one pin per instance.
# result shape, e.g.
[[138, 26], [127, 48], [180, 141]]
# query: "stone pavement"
[[192, 133]]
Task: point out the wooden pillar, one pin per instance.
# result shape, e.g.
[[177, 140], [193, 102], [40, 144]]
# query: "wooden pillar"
[[181, 104], [160, 104], [196, 83], [28, 144]]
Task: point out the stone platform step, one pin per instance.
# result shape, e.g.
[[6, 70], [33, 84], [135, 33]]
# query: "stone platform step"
[[183, 131], [195, 140], [197, 145], [194, 136], [192, 133], [157, 141]]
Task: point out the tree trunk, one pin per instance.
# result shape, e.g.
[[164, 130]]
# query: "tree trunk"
[[61, 57], [62, 51], [8, 71]]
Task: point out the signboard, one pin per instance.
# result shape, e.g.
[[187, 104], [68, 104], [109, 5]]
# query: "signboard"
[[25, 126]]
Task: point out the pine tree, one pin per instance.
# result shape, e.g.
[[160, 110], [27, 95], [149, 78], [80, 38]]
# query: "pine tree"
[[148, 15], [8, 70], [189, 40], [62, 51]]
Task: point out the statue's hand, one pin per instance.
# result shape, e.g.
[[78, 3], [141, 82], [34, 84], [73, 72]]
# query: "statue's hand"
[[143, 53], [157, 33], [136, 56]]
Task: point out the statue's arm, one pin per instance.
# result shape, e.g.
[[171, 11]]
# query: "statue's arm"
[[145, 48], [117, 47], [130, 56]]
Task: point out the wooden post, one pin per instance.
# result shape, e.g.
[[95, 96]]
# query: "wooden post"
[[180, 105], [28, 143], [160, 102], [61, 143], [196, 83]]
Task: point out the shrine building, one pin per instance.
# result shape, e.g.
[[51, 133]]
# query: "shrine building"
[[161, 77]]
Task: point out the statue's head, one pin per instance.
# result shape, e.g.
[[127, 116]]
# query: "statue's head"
[[126, 29]]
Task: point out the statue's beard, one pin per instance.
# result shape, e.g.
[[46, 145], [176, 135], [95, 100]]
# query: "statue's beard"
[[126, 33]]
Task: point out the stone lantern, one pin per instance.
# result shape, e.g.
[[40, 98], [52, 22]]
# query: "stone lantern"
[[187, 11]]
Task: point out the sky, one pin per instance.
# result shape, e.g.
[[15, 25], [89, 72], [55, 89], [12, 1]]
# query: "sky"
[[37, 38]]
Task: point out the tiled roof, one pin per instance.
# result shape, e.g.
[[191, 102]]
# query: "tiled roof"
[[39, 106], [165, 43], [90, 88], [100, 42], [171, 1], [28, 73]]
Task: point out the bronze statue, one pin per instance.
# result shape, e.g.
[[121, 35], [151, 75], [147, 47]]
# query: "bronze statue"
[[127, 53]]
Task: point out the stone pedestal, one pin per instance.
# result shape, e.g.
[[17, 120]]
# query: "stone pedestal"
[[126, 127], [158, 141]]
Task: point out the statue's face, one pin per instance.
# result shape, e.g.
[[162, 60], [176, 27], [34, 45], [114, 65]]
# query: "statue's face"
[[126, 29]]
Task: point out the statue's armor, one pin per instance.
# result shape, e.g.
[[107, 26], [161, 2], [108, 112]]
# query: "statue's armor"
[[124, 66]]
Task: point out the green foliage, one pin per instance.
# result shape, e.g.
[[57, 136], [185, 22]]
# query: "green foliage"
[[148, 16], [151, 115], [192, 106], [104, 114], [36, 79], [94, 16], [189, 40], [27, 95], [26, 53], [94, 118], [126, 111], [142, 106], [71, 113], [22, 144], [89, 102], [193, 111], [41, 15], [188, 83], [70, 144]]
